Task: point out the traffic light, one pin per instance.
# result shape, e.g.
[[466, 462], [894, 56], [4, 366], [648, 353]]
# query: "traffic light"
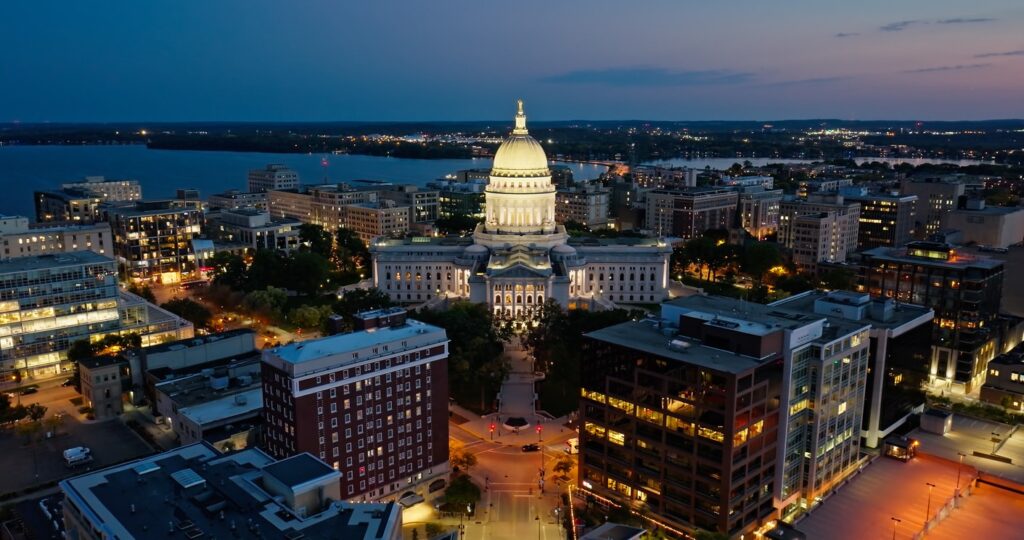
[[538, 429], [492, 427]]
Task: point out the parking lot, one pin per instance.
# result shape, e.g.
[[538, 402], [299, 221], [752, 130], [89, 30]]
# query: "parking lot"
[[25, 466], [971, 435]]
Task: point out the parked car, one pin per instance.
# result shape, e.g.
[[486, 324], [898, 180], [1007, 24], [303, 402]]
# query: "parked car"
[[29, 390], [78, 455], [533, 447], [69, 382]]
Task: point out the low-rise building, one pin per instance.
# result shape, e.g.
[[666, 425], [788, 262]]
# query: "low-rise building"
[[234, 199], [219, 405], [195, 491], [104, 380], [1004, 385], [18, 238], [821, 185], [255, 229], [766, 182]]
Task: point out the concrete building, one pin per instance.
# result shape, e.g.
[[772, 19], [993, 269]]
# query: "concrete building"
[[104, 380], [465, 198], [520, 256], [583, 203], [992, 226], [47, 302], [234, 199], [69, 205], [195, 491], [766, 182], [708, 409], [255, 229], [658, 177], [20, 239], [273, 177], [153, 239], [821, 185], [965, 292], [822, 228], [110, 190], [688, 213], [936, 196], [327, 205], [1004, 385], [374, 220], [217, 405], [372, 403], [423, 204], [885, 219], [759, 211], [898, 359]]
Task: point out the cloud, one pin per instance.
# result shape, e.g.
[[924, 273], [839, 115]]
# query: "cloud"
[[898, 26], [966, 20], [958, 67], [847, 34], [997, 54], [649, 76], [814, 80]]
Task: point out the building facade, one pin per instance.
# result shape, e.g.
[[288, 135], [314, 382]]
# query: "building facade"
[[273, 177], [69, 205], [373, 220], [520, 256], [759, 211], [109, 190], [153, 240], [20, 239], [423, 204], [255, 229], [935, 197], [965, 292], [823, 228], [688, 213], [990, 226], [885, 219], [234, 199], [587, 204], [372, 403]]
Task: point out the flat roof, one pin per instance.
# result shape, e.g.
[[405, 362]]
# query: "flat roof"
[[962, 260], [614, 531], [647, 337], [296, 353], [229, 406], [39, 262], [752, 314], [901, 313], [299, 469], [197, 340]]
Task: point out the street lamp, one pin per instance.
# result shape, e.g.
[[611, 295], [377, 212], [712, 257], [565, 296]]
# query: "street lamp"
[[928, 509], [895, 521], [958, 467]]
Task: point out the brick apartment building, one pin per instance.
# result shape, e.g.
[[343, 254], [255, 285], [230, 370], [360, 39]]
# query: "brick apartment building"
[[373, 404]]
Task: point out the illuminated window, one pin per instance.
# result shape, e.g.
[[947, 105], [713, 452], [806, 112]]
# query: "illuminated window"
[[842, 407], [616, 437], [621, 404], [709, 433]]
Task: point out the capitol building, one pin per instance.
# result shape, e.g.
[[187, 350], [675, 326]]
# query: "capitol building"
[[519, 256]]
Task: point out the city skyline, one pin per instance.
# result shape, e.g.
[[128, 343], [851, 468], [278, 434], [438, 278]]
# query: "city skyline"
[[463, 61]]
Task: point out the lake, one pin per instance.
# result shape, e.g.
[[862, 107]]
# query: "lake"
[[725, 163], [25, 169]]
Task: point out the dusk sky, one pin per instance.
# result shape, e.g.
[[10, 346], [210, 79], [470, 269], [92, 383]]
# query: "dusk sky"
[[467, 60]]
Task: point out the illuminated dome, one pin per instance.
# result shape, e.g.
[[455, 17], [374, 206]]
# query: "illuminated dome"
[[520, 155]]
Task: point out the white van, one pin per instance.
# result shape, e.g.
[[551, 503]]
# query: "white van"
[[572, 446], [76, 456]]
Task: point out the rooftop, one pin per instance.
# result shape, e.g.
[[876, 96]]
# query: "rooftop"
[[226, 407], [901, 313], [196, 341], [39, 262], [194, 491], [299, 469], [305, 351], [614, 531], [753, 317], [928, 255]]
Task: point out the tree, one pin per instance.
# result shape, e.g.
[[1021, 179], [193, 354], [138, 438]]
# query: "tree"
[[458, 225], [268, 269], [461, 492], [315, 239], [351, 251], [357, 300], [268, 302], [308, 272], [190, 310], [144, 291], [461, 459], [307, 316], [80, 350], [838, 279], [54, 423], [758, 258], [35, 412], [564, 465], [228, 269]]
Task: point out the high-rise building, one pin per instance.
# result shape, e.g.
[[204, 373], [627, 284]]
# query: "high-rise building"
[[759, 210], [422, 203], [109, 190], [372, 403], [153, 239], [586, 204], [47, 302], [702, 419], [965, 292], [195, 491], [688, 213], [822, 228], [274, 176], [886, 219], [899, 354], [18, 238], [822, 186], [71, 205], [989, 226], [935, 197]]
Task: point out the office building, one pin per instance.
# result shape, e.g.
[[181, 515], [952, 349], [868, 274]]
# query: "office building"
[[273, 177], [153, 239], [587, 204], [820, 229], [766, 182], [68, 205], [821, 185], [196, 492], [688, 213], [374, 220], [423, 204], [520, 256], [990, 226], [18, 238], [460, 198], [254, 229], [325, 205], [759, 210], [47, 302], [234, 199], [936, 196], [659, 177], [372, 403], [886, 219], [1004, 385], [702, 419], [965, 292], [109, 190], [898, 358]]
